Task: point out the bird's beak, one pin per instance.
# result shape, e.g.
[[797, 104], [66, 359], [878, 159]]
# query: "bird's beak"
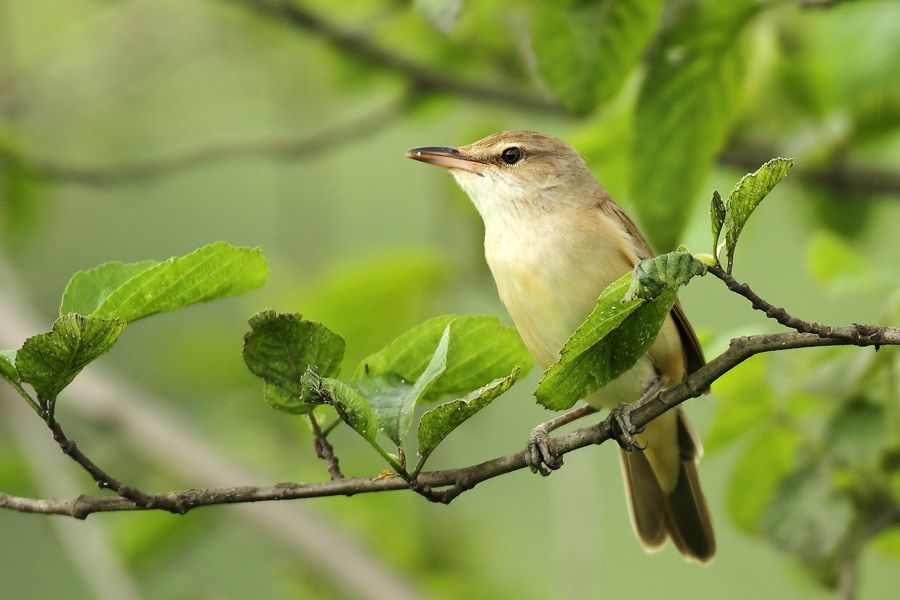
[[448, 158]]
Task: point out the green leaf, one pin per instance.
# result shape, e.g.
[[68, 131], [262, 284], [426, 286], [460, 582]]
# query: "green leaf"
[[279, 399], [214, 271], [836, 265], [615, 335], [88, 289], [351, 407], [807, 516], [685, 110], [756, 474], [394, 399], [627, 28], [50, 361], [888, 542], [744, 399], [437, 423], [8, 365], [480, 350], [280, 347], [716, 219], [653, 276], [746, 196], [857, 433]]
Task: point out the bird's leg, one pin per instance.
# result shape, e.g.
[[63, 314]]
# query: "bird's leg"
[[621, 416], [538, 453]]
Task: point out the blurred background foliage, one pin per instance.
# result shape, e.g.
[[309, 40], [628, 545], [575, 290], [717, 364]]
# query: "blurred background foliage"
[[135, 129]]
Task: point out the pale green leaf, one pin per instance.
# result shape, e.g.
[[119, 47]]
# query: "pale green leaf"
[[610, 341], [888, 542], [746, 196], [351, 407], [88, 289], [744, 399], [440, 421], [667, 271], [685, 111], [281, 347], [8, 365], [214, 271], [50, 361], [766, 461]]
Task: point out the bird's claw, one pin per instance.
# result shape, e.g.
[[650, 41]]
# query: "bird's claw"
[[539, 453], [625, 429]]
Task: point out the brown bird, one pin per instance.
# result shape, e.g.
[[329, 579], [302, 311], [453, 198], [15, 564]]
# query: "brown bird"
[[554, 239]]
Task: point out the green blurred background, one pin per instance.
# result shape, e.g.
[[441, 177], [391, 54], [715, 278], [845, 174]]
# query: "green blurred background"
[[135, 129]]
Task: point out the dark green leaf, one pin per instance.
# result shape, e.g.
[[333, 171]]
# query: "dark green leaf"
[[744, 399], [807, 516], [88, 289], [614, 336], [746, 196], [8, 365], [437, 423], [653, 276], [480, 351], [214, 271], [50, 361], [756, 475], [685, 110], [716, 219], [281, 347], [351, 407]]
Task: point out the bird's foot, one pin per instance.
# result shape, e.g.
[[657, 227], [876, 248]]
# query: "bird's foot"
[[624, 429], [539, 452]]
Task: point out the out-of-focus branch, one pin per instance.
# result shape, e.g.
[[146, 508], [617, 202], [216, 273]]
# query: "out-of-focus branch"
[[425, 78]]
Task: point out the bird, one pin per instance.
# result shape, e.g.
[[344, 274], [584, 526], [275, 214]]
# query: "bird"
[[554, 239]]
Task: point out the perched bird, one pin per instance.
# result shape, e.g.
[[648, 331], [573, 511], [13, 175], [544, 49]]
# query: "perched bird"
[[554, 239]]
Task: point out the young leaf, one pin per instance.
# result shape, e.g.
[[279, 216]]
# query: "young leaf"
[[615, 336], [88, 289], [716, 219], [351, 407], [8, 366], [394, 399], [667, 271], [50, 361], [281, 347], [480, 350], [214, 271], [807, 516], [440, 421], [746, 196], [685, 110]]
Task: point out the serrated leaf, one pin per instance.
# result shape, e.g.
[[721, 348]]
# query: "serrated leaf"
[[746, 196], [610, 341], [807, 516], [439, 422], [87, 290], [214, 271], [716, 219], [279, 399], [352, 408], [394, 399], [653, 276], [480, 350], [744, 399], [756, 474], [685, 110], [50, 361], [8, 365], [281, 347]]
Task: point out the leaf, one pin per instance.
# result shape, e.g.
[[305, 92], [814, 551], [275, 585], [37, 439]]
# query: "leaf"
[[765, 462], [394, 399], [351, 407], [440, 421], [685, 110], [214, 271], [716, 219], [8, 365], [279, 399], [652, 276], [609, 342], [857, 433], [837, 266], [807, 516], [480, 350], [441, 14], [746, 196], [88, 289], [281, 347], [744, 399], [888, 542], [50, 361]]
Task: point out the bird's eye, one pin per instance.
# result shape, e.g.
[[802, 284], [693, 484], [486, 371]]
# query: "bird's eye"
[[512, 155]]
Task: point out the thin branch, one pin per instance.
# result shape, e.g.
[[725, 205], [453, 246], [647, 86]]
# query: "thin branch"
[[421, 76], [324, 449], [465, 478]]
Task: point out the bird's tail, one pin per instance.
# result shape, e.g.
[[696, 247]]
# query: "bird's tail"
[[664, 493]]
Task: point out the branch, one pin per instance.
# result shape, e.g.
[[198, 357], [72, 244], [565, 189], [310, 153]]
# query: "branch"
[[466, 478], [422, 77]]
